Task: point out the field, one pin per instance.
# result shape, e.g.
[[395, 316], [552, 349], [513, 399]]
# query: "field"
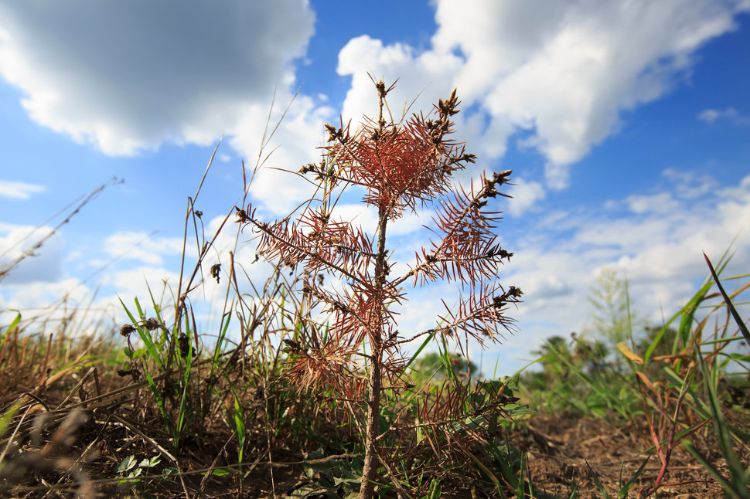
[[309, 390]]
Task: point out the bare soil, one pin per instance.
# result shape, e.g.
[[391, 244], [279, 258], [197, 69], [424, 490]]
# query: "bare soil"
[[567, 454]]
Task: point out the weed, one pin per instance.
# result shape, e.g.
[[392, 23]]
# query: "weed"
[[400, 166]]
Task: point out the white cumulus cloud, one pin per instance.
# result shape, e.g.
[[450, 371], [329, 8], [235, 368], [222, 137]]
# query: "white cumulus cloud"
[[730, 114], [561, 71], [127, 76], [19, 190], [525, 194], [149, 249]]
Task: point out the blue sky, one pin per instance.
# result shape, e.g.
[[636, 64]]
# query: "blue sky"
[[626, 126]]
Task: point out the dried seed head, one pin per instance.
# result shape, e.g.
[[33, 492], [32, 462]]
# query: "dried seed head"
[[151, 323], [499, 252], [309, 167], [215, 271], [242, 215], [292, 345], [331, 131], [128, 372], [448, 107], [380, 86], [184, 345], [127, 329], [337, 134]]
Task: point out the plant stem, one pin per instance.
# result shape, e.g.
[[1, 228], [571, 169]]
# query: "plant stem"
[[372, 430]]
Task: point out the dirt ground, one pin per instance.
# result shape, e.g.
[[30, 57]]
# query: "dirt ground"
[[567, 454]]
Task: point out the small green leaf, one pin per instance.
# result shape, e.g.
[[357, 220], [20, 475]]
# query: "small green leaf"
[[221, 472], [149, 463], [127, 464], [169, 470], [340, 480]]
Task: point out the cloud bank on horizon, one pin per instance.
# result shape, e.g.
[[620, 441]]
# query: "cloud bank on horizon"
[[131, 78]]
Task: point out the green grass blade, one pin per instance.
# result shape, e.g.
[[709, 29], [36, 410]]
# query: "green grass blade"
[[725, 484], [12, 326], [599, 485], [625, 489], [728, 301], [144, 334], [419, 350]]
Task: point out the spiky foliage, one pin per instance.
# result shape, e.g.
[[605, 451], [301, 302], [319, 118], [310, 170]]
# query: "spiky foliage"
[[401, 166]]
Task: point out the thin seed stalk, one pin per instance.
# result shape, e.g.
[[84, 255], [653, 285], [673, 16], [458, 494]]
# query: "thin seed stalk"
[[372, 429]]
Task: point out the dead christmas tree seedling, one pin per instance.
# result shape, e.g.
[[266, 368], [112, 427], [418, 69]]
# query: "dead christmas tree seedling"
[[401, 166]]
